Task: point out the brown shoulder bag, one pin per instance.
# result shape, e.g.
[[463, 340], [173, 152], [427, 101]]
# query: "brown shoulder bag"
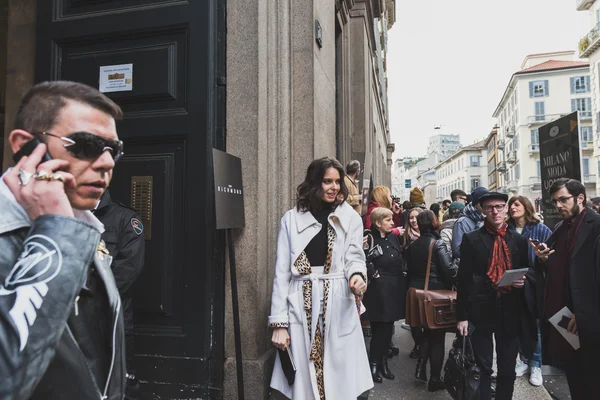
[[431, 309]]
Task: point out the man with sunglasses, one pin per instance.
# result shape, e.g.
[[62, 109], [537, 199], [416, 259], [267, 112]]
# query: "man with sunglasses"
[[568, 275], [485, 309], [61, 325]]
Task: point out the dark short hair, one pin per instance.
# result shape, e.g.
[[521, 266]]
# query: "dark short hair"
[[435, 207], [448, 202], [457, 192], [310, 192], [406, 205], [427, 222], [595, 200], [352, 167], [573, 186], [43, 103]]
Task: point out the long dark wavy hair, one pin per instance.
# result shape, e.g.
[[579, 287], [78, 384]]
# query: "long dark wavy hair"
[[309, 195]]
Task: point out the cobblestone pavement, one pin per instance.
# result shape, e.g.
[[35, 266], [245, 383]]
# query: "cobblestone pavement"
[[406, 387]]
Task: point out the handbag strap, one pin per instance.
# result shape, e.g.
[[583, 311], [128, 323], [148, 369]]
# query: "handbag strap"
[[428, 266]]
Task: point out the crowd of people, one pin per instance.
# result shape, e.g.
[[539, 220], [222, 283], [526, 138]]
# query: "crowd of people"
[[335, 270]]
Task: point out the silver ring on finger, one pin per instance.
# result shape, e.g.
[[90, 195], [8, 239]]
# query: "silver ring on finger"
[[24, 177], [57, 177]]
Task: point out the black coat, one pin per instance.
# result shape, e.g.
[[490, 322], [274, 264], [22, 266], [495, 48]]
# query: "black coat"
[[441, 271], [385, 298], [584, 279], [478, 301]]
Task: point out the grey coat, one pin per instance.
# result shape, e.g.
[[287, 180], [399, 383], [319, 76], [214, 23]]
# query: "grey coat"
[[44, 267]]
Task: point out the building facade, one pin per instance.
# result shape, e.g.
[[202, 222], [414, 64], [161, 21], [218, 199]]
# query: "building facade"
[[466, 169], [275, 83], [444, 145], [547, 87], [589, 48], [492, 145]]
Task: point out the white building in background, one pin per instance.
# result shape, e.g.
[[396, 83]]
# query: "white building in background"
[[589, 47], [444, 145], [548, 86], [466, 169]]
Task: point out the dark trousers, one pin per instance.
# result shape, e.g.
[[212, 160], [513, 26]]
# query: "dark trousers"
[[507, 347], [581, 384], [381, 334], [432, 349], [417, 335]]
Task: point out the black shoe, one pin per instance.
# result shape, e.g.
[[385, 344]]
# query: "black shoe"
[[435, 384], [384, 370], [390, 353], [395, 351], [421, 372], [414, 353], [375, 373]]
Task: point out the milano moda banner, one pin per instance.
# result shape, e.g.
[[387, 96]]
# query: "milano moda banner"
[[560, 157]]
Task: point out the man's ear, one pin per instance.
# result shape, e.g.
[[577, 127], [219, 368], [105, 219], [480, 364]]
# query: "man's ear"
[[17, 139]]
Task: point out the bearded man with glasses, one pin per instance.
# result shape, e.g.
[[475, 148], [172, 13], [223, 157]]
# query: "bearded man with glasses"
[[485, 309], [61, 324], [568, 274]]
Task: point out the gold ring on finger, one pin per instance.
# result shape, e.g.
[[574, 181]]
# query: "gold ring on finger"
[[42, 175]]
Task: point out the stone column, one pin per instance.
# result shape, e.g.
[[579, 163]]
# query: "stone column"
[[259, 131], [20, 63]]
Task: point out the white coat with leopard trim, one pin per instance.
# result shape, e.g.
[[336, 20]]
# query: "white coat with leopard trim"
[[345, 363]]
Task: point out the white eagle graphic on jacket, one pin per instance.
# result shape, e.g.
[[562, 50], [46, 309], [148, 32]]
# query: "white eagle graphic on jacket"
[[38, 264]]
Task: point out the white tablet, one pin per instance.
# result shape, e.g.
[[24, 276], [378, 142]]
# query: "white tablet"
[[511, 275]]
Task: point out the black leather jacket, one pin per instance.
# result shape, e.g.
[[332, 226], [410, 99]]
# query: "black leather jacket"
[[442, 271], [58, 304]]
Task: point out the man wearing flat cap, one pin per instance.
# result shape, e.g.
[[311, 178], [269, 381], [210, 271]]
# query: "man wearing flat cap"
[[486, 309]]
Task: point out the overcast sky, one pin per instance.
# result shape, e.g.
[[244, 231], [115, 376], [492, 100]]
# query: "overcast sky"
[[449, 61]]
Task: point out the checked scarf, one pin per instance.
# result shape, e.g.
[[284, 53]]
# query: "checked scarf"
[[500, 260]]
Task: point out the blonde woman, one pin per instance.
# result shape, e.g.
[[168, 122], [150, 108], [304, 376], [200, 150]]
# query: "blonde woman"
[[382, 197], [385, 299], [320, 268]]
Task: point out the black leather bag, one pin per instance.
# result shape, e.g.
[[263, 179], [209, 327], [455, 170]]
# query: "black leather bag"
[[461, 373]]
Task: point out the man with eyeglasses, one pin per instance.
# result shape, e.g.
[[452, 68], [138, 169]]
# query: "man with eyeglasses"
[[486, 309], [568, 275], [61, 325]]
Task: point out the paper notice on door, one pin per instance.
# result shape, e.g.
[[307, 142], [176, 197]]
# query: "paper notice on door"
[[560, 321], [116, 78]]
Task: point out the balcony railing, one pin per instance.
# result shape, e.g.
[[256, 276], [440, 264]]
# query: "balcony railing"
[[512, 157], [510, 131], [534, 148], [535, 182], [590, 42], [500, 144], [513, 185], [587, 145], [589, 179], [502, 166], [542, 119], [584, 4]]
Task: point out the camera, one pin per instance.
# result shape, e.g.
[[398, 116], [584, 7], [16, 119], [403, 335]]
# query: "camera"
[[374, 253]]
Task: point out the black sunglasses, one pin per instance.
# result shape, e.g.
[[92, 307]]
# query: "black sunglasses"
[[87, 146]]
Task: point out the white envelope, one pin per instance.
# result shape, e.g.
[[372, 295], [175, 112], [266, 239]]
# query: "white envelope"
[[570, 337]]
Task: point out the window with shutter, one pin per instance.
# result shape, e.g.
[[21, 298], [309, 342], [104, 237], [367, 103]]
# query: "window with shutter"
[[538, 88], [539, 110], [535, 138]]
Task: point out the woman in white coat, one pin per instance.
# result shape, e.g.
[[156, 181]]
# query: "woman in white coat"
[[320, 267]]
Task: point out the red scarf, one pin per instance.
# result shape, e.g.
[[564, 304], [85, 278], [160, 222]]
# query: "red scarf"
[[500, 260]]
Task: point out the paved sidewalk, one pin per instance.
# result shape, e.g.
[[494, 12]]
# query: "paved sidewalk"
[[406, 387]]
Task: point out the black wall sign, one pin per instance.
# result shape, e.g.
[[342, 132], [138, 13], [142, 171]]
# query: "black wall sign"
[[560, 157], [229, 192]]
